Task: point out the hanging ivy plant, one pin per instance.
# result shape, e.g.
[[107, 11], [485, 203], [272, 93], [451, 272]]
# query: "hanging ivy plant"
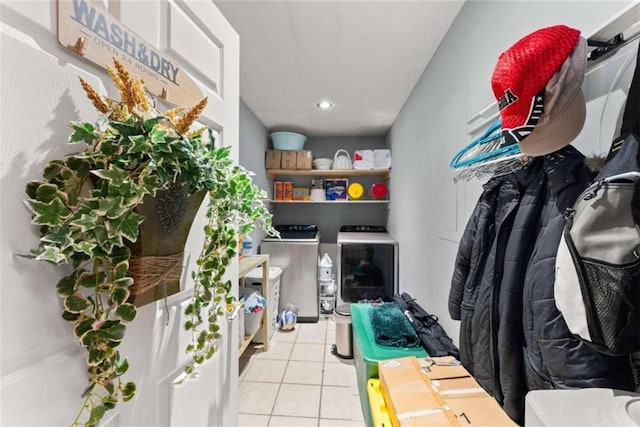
[[85, 206]]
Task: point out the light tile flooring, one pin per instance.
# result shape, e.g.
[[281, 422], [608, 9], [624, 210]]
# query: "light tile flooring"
[[298, 382]]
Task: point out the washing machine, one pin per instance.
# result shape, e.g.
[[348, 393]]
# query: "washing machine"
[[367, 260], [296, 252]]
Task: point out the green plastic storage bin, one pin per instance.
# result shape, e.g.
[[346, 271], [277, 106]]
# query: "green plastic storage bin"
[[366, 354]]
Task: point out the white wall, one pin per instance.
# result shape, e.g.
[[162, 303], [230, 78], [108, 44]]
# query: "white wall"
[[428, 211], [43, 368]]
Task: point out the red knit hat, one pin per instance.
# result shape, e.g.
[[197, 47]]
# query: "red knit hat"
[[537, 82]]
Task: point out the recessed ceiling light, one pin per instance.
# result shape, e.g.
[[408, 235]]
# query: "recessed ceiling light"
[[324, 105]]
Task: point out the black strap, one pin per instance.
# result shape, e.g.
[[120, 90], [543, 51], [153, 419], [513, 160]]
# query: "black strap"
[[630, 119]]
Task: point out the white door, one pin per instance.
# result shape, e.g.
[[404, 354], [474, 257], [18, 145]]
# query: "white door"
[[43, 368]]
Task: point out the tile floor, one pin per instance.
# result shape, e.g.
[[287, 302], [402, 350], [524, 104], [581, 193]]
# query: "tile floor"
[[298, 382]]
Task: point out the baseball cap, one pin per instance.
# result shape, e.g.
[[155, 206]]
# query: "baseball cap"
[[537, 83]]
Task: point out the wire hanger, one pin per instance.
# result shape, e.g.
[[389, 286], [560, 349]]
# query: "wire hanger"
[[488, 155]]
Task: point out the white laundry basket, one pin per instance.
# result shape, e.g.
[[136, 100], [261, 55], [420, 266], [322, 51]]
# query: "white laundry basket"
[[253, 279]]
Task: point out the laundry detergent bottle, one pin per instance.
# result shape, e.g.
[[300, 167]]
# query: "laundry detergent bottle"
[[325, 268]]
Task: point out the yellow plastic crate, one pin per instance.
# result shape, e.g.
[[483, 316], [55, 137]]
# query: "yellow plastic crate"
[[379, 414]]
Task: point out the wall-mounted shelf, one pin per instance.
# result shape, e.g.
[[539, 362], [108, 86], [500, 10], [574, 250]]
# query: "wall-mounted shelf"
[[273, 173]]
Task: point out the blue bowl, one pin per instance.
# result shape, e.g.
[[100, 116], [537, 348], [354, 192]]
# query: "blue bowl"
[[288, 140]]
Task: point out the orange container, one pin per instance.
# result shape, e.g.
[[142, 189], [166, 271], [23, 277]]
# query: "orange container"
[[288, 191], [278, 190]]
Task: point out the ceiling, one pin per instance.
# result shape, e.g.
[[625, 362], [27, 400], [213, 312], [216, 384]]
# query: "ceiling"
[[363, 56]]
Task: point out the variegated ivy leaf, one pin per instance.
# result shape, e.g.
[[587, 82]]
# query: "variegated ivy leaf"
[[61, 237], [127, 312], [128, 391], [76, 303], [86, 222], [111, 207], [139, 144], [52, 254], [119, 295], [46, 193], [84, 247], [51, 213], [127, 225], [66, 286], [88, 280], [121, 269], [114, 174], [82, 131], [97, 412]]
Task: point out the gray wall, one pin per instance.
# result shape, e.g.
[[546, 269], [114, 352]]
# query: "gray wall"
[[428, 211], [254, 138]]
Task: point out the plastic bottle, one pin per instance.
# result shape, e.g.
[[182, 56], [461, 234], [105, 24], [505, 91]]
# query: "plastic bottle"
[[325, 268], [247, 245], [240, 237]]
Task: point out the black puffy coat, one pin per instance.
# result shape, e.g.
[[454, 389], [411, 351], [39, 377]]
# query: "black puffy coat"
[[517, 223], [474, 297]]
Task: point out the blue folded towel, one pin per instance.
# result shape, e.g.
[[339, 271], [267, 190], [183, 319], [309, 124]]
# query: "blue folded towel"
[[391, 328]]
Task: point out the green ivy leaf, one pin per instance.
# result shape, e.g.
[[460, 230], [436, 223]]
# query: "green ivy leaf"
[[120, 254], [122, 367], [52, 254], [84, 247], [124, 129], [127, 225], [127, 312], [83, 327], [114, 175], [53, 169], [111, 207], [119, 295], [109, 402], [128, 391], [66, 286], [45, 193], [82, 131], [97, 412], [70, 317], [121, 269], [51, 213], [114, 330], [92, 280], [31, 188], [86, 222], [60, 237], [75, 303], [139, 144], [123, 282], [95, 357]]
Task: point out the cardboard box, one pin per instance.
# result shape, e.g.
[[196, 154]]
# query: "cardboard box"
[[301, 193], [406, 386], [288, 159], [273, 159], [409, 396], [303, 159], [438, 368]]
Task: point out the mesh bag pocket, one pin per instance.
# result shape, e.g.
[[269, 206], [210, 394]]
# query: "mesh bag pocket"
[[615, 295]]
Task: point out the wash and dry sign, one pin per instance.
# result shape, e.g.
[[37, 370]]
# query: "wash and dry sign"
[[88, 30]]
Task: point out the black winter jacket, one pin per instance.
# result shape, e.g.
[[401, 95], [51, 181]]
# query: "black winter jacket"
[[510, 229], [480, 270]]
